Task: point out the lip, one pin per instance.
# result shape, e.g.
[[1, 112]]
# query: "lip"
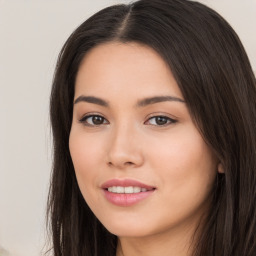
[[125, 183], [122, 199]]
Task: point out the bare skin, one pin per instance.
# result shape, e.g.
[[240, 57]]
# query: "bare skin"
[[130, 121]]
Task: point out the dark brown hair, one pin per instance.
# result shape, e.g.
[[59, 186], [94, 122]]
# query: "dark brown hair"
[[215, 77]]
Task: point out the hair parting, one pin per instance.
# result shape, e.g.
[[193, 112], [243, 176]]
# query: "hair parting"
[[214, 75]]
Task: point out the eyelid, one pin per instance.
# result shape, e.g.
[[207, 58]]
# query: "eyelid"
[[163, 114], [171, 120], [88, 115], [155, 115]]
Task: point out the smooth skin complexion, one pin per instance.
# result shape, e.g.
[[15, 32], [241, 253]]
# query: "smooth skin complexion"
[[131, 124]]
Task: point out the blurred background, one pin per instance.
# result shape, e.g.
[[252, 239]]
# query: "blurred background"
[[32, 33]]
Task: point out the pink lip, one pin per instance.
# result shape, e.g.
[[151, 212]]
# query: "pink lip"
[[126, 199], [125, 183]]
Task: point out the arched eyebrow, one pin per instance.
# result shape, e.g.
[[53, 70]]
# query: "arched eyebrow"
[[157, 99], [140, 103], [91, 99]]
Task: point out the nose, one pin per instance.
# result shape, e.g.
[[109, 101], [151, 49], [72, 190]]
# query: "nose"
[[125, 148]]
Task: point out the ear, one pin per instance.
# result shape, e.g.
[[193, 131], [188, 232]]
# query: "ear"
[[220, 168]]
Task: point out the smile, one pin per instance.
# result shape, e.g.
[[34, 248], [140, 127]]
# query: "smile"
[[126, 192]]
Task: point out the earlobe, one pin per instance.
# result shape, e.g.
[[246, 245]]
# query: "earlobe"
[[220, 168]]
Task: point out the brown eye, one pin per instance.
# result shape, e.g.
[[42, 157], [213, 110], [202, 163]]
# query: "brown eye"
[[161, 120], [93, 120], [97, 120]]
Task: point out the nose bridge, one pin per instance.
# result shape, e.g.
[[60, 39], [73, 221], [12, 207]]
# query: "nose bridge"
[[124, 149]]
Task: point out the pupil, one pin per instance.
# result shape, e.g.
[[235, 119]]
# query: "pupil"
[[161, 120], [97, 120]]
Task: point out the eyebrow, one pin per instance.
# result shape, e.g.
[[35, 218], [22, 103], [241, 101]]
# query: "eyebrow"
[[140, 103], [92, 99], [157, 99]]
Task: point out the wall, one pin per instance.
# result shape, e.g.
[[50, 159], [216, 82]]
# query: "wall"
[[32, 33]]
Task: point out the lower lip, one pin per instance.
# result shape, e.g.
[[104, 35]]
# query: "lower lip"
[[126, 199]]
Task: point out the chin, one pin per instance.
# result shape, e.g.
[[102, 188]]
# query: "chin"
[[129, 229], [128, 232]]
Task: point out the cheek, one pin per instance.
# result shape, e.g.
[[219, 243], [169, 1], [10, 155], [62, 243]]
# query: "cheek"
[[185, 163], [86, 154], [85, 148]]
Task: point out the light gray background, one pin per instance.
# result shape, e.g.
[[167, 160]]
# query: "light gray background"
[[31, 35]]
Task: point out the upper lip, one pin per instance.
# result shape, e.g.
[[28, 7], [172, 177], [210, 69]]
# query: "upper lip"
[[125, 183]]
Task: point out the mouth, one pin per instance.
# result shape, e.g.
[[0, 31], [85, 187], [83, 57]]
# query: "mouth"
[[126, 192]]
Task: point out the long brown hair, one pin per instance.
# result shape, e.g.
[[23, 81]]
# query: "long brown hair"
[[218, 85]]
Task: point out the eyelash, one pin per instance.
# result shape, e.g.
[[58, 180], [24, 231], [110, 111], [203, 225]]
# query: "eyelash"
[[84, 120], [166, 118]]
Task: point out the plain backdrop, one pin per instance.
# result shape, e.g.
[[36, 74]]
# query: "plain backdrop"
[[31, 35]]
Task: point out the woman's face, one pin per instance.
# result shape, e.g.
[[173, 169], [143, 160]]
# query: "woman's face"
[[141, 164]]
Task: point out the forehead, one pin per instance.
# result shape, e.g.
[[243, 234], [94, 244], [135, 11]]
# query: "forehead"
[[129, 67]]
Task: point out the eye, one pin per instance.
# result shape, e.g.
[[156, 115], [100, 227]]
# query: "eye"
[[160, 120], [93, 120]]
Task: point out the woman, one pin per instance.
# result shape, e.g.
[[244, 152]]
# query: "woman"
[[153, 118]]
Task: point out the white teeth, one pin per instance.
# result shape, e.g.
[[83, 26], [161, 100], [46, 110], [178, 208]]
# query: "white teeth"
[[126, 190], [120, 190], [136, 190]]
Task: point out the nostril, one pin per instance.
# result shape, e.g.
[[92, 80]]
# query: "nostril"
[[123, 164]]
